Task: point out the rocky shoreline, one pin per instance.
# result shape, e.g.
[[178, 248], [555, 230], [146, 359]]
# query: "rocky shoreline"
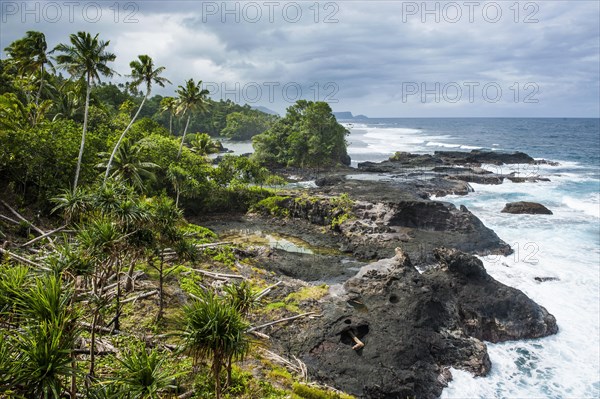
[[426, 303]]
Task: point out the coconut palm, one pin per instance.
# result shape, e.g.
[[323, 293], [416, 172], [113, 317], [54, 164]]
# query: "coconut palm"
[[85, 58], [142, 71], [30, 56], [169, 104], [214, 329], [203, 144], [191, 99]]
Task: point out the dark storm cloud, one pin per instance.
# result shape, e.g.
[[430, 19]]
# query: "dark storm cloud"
[[371, 51]]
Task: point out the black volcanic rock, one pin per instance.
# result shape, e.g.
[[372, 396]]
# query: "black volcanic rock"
[[413, 326], [479, 157], [524, 207]]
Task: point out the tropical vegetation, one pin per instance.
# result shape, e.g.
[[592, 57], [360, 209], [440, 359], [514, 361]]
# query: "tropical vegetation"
[[106, 289]]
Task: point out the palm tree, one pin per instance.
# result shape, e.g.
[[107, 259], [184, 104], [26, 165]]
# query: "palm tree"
[[214, 329], [128, 166], [142, 71], [73, 203], [192, 98], [164, 220], [169, 104], [86, 58], [203, 144], [29, 55]]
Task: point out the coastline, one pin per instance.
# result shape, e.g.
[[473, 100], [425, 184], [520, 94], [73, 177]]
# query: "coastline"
[[527, 366]]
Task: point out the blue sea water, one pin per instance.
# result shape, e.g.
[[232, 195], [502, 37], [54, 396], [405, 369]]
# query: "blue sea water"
[[565, 245]]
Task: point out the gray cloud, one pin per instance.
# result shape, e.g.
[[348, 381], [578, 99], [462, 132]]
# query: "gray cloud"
[[366, 60]]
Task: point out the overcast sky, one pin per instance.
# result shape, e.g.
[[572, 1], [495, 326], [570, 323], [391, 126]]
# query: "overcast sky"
[[379, 58]]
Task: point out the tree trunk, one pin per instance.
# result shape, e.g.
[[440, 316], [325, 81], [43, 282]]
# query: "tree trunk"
[[129, 283], [85, 121], [74, 376], [229, 361], [39, 93], [217, 375], [187, 123], [118, 298], [93, 344], [171, 123], [160, 290], [112, 155]]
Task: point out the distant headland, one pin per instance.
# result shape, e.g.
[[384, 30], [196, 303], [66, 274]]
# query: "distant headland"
[[347, 115]]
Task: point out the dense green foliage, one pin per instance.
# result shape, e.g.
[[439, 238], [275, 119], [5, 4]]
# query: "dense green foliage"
[[114, 169], [308, 136], [245, 125]]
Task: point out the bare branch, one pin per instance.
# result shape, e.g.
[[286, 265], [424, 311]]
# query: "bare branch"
[[281, 321]]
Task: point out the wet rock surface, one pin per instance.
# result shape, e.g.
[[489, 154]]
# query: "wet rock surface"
[[524, 207], [413, 326], [387, 330]]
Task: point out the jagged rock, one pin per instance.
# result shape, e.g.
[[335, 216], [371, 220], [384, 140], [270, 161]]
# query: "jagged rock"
[[413, 326], [480, 157], [329, 180], [376, 228], [480, 179], [531, 208]]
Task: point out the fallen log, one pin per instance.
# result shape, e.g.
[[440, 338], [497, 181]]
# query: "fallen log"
[[267, 290], [17, 214], [88, 326], [141, 296], [219, 276], [187, 394], [281, 321], [8, 219], [22, 259], [43, 236]]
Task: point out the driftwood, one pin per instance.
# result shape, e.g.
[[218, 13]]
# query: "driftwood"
[[358, 342], [281, 321], [17, 214], [96, 352], [43, 236], [219, 276], [8, 219], [212, 244], [259, 334], [88, 326], [267, 290], [23, 259], [298, 367], [141, 296], [170, 253]]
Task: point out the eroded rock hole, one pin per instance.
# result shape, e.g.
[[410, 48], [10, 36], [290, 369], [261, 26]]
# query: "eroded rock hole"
[[394, 298], [354, 336]]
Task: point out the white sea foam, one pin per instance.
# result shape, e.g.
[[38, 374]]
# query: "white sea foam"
[[559, 245], [564, 245], [444, 145], [589, 206]]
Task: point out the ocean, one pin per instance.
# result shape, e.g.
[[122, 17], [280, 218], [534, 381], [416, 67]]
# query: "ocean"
[[564, 246]]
